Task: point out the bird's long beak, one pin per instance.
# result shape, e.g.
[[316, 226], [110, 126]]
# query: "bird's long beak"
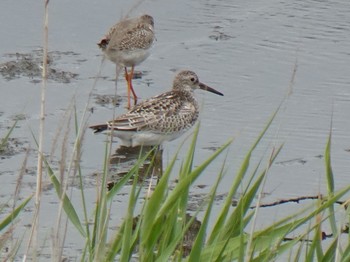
[[208, 88]]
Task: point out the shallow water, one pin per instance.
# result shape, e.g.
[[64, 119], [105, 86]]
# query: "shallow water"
[[246, 50]]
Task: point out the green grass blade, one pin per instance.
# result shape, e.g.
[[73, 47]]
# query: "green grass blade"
[[185, 171], [10, 218], [329, 255], [102, 213], [126, 251], [346, 254], [148, 233], [158, 207], [166, 254], [187, 181], [118, 186], [187, 167], [330, 182], [315, 248], [283, 230], [67, 204], [329, 171], [230, 246], [198, 244], [80, 174], [4, 140], [236, 184]]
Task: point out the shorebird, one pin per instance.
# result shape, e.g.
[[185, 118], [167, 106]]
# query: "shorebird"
[[128, 44], [161, 118]]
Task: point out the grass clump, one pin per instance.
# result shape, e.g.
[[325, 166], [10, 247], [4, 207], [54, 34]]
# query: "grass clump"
[[160, 230]]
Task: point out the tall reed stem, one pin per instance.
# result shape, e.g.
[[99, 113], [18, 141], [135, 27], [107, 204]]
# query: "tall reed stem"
[[34, 232]]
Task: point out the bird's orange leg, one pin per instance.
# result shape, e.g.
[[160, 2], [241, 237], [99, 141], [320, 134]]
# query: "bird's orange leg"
[[131, 88], [128, 78]]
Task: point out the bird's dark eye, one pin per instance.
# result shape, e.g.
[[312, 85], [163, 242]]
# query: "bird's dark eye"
[[193, 79]]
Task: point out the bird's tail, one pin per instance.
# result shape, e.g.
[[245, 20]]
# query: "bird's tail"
[[103, 43], [99, 128]]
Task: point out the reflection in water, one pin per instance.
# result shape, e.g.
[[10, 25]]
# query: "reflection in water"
[[190, 235], [125, 158]]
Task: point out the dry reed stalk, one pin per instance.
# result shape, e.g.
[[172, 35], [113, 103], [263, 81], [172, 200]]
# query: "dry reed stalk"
[[20, 180], [60, 230], [134, 7], [32, 243]]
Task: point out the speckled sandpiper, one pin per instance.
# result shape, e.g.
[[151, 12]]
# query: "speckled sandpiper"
[[161, 118], [127, 44]]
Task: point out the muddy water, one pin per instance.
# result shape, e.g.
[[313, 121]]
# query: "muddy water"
[[247, 50]]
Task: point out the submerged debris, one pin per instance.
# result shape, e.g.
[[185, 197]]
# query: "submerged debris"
[[107, 100], [218, 35], [30, 65], [11, 146]]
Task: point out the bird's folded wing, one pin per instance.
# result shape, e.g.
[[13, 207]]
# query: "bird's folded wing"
[[160, 112], [132, 122]]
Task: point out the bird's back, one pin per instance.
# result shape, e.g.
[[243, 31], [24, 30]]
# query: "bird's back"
[[128, 42]]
